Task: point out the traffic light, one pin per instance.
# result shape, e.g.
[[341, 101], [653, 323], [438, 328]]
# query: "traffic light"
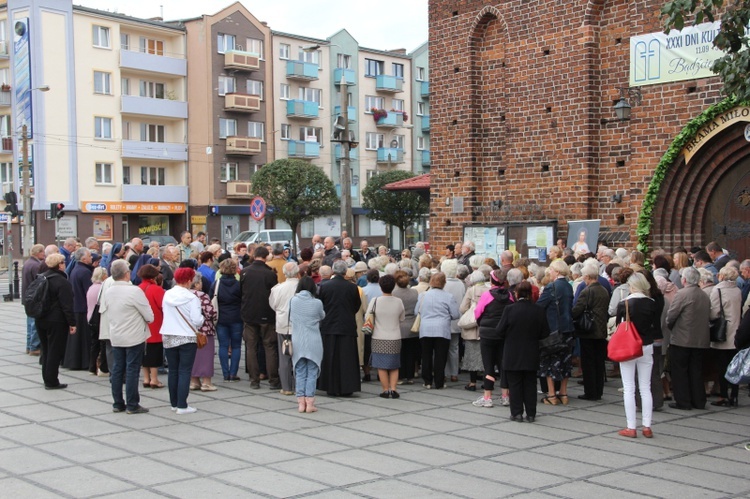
[[11, 203], [57, 210]]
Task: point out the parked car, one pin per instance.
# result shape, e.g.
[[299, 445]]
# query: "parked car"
[[163, 240], [271, 236]]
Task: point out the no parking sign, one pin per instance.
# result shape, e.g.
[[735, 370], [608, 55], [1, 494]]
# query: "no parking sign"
[[258, 208]]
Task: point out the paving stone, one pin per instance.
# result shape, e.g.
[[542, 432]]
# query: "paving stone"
[[452, 443], [24, 460], [81, 450], [16, 487], [297, 442], [192, 458], [387, 488], [417, 453], [460, 484], [327, 472], [240, 428], [597, 457], [252, 452], [550, 464], [271, 481], [735, 453], [376, 463], [189, 434], [79, 482], [33, 434], [530, 476], [420, 421], [649, 484], [380, 428], [204, 487], [93, 427], [586, 490], [506, 439], [283, 421], [363, 436], [703, 479], [143, 472], [138, 442]]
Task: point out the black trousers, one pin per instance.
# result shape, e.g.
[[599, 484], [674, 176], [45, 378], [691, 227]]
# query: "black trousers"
[[53, 338], [409, 352], [593, 355], [522, 391], [687, 377], [492, 357], [434, 370], [96, 349]]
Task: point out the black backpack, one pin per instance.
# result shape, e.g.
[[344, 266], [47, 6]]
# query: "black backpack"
[[35, 297]]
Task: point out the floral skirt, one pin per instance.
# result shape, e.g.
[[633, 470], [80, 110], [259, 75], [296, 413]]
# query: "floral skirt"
[[559, 366]]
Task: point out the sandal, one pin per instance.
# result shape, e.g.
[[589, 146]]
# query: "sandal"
[[146, 384], [195, 387], [563, 397], [470, 387], [158, 384], [550, 400]]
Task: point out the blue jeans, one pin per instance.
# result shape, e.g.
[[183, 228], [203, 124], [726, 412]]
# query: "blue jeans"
[[306, 373], [180, 361], [127, 364], [32, 337], [229, 335]]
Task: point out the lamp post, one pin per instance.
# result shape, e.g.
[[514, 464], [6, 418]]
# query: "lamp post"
[[28, 239]]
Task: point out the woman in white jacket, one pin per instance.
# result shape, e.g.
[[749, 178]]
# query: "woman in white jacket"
[[182, 318]]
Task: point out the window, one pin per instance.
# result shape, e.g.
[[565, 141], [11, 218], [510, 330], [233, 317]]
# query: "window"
[[286, 131], [421, 143], [420, 74], [227, 128], [151, 89], [225, 42], [151, 175], [5, 129], [312, 57], [104, 173], [124, 41], [398, 70], [227, 85], [373, 140], [349, 97], [126, 175], [152, 133], [255, 87], [311, 134], [397, 104], [373, 67], [311, 94], [343, 61], [284, 91], [125, 130], [284, 51], [6, 175], [125, 86], [102, 83], [150, 46], [374, 102], [256, 129], [399, 139], [228, 171], [101, 37], [420, 108], [255, 46], [255, 168], [102, 128]]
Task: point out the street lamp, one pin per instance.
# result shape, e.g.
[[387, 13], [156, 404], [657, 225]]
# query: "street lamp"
[[629, 97], [28, 240]]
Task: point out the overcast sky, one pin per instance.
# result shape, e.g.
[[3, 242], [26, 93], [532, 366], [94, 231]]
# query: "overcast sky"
[[379, 24]]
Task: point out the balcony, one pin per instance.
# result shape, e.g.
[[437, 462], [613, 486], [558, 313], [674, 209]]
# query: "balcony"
[[303, 149], [148, 106], [6, 145], [426, 158], [425, 90], [241, 61], [139, 61], [353, 155], [239, 190], [159, 151], [4, 97], [162, 193], [303, 109], [426, 124], [242, 103], [348, 74], [299, 70], [393, 120], [390, 155], [389, 84], [243, 146], [351, 113]]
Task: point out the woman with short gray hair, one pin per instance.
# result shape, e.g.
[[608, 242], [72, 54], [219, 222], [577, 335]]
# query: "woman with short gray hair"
[[472, 359]]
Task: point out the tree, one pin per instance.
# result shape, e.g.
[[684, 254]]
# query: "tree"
[[296, 191], [399, 208], [732, 38]]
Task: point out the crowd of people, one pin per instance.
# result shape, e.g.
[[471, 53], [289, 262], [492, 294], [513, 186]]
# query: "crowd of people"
[[329, 318]]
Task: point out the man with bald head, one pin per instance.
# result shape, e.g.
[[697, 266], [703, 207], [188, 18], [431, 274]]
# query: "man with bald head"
[[136, 250], [67, 249]]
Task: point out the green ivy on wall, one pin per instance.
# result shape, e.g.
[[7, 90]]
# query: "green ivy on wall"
[[645, 220]]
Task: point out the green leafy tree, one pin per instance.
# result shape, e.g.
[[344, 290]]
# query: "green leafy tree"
[[399, 208], [734, 67], [296, 190]]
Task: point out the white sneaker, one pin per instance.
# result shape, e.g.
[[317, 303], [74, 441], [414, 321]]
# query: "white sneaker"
[[505, 400], [173, 409], [482, 402], [187, 410]]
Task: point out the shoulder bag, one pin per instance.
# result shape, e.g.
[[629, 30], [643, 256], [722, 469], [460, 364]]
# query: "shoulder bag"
[[286, 344], [215, 301], [369, 326], [585, 324], [417, 319], [718, 326], [200, 338], [738, 371], [554, 343], [96, 316], [626, 344]]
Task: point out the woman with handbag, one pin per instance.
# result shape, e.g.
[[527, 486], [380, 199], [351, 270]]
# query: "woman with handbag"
[[726, 304], [182, 317], [409, 340], [644, 315], [153, 359], [388, 311], [472, 359], [203, 366], [305, 313]]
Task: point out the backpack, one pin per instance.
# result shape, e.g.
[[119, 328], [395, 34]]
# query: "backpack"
[[36, 297]]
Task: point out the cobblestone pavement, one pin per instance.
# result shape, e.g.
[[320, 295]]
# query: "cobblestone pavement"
[[429, 443]]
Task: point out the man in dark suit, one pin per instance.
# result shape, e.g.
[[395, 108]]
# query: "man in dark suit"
[[256, 281], [339, 374]]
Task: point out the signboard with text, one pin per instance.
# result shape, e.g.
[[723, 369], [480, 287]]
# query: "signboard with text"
[[125, 207]]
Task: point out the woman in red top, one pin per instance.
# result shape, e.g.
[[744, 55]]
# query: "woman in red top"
[[154, 357]]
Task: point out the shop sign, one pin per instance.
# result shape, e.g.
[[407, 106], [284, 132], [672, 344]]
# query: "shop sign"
[[712, 128], [125, 207]]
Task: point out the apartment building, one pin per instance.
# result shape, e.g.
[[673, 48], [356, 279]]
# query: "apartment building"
[[420, 105], [104, 98], [231, 117]]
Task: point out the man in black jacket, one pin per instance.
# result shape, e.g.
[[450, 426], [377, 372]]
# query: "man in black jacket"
[[256, 281]]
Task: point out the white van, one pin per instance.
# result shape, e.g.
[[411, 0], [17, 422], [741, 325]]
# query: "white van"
[[271, 236]]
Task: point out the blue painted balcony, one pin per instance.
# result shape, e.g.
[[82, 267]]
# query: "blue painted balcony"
[[303, 109], [153, 63], [389, 84], [425, 90], [351, 113], [299, 70], [390, 155], [355, 190], [426, 124], [393, 120], [338, 73], [426, 158], [303, 149], [353, 154], [241, 61], [157, 151]]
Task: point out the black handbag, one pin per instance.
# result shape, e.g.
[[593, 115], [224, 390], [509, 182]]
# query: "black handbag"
[[555, 343], [584, 325], [96, 316], [718, 326]]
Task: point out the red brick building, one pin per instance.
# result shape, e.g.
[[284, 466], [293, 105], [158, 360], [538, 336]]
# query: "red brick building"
[[524, 131]]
